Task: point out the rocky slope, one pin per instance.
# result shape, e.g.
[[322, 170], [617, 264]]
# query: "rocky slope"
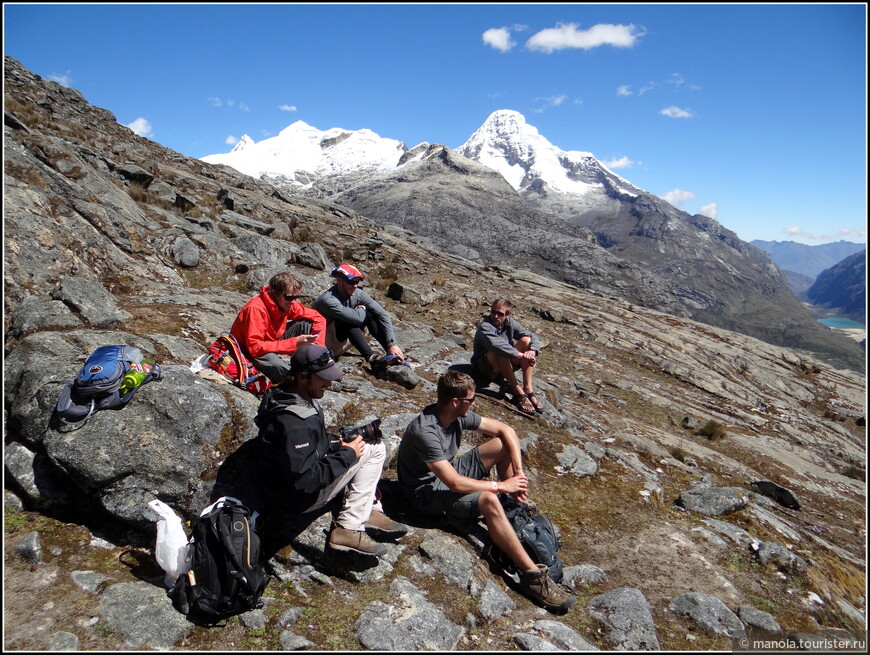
[[654, 431], [843, 287]]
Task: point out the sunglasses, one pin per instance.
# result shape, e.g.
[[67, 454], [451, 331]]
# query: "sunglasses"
[[498, 314], [321, 362], [353, 280], [468, 400], [290, 298]]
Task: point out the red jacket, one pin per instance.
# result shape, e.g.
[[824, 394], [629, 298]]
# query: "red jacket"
[[260, 325]]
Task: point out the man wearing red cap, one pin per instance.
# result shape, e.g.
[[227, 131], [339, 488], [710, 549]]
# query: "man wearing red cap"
[[348, 310], [302, 467], [275, 323]]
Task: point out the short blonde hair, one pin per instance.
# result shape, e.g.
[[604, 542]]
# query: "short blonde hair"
[[454, 384]]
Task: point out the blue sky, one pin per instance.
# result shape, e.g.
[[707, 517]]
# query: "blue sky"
[[753, 114]]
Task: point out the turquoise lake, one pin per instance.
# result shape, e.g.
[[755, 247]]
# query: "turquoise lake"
[[842, 323]]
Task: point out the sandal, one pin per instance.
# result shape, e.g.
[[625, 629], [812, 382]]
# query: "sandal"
[[522, 403], [533, 399]]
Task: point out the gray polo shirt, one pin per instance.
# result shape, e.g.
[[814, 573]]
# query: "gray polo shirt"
[[426, 440]]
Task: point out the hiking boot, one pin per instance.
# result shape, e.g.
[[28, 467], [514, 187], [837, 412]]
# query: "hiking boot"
[[540, 587], [356, 541], [382, 525]]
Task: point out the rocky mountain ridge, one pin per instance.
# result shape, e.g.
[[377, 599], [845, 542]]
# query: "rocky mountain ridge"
[[654, 431]]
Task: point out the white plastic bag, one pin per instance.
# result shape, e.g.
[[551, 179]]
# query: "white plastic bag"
[[171, 548]]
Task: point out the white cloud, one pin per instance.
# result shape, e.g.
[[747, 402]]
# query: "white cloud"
[[644, 89], [217, 101], [795, 231], [678, 197], [140, 126], [231, 140], [621, 162], [711, 209], [551, 101], [287, 107], [676, 79], [499, 38], [849, 232], [63, 80], [676, 112], [624, 90], [568, 35]]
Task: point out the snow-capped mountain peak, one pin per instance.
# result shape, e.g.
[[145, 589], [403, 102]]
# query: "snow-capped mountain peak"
[[508, 144], [302, 152], [243, 143], [505, 142]]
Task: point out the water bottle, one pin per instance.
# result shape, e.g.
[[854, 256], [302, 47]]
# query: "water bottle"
[[132, 379]]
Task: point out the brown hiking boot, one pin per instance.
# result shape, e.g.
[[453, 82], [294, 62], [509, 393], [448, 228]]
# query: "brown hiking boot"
[[540, 587], [355, 541], [382, 525]]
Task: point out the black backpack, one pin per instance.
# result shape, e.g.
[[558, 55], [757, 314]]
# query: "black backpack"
[[537, 535], [225, 576]]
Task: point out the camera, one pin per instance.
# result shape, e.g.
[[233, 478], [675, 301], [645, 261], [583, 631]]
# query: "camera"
[[370, 432]]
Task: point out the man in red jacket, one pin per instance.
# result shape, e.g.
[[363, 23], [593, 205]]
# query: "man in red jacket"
[[275, 323]]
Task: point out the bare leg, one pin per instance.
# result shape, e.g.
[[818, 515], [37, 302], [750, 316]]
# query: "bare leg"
[[505, 368], [493, 453], [502, 533]]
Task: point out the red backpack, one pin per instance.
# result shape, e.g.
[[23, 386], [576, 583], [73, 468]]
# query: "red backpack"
[[226, 357]]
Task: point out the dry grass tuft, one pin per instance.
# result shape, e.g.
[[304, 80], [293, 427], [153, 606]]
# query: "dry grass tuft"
[[713, 430], [837, 579]]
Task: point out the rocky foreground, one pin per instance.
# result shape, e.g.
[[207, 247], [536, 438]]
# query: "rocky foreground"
[[709, 487]]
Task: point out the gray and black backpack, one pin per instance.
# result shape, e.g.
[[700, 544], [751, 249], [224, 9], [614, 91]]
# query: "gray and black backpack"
[[537, 535], [109, 378]]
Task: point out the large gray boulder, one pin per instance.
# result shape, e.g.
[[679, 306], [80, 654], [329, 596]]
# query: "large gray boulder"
[[166, 443], [625, 615]]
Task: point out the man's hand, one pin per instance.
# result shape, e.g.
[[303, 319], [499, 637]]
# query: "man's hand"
[[518, 484], [356, 445], [305, 339], [395, 350]]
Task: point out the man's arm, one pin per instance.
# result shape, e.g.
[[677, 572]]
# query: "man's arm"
[[331, 308], [251, 328], [465, 485], [303, 468], [520, 331], [488, 338]]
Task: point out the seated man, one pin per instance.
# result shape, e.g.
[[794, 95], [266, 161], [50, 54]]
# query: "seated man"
[[302, 467], [502, 346], [348, 310], [275, 323], [437, 484]]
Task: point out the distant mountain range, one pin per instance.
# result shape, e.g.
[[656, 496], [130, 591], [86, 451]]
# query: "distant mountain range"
[[807, 260], [507, 197]]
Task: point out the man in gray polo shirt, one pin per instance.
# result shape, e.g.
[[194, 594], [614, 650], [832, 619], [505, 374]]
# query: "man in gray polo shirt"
[[436, 482]]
